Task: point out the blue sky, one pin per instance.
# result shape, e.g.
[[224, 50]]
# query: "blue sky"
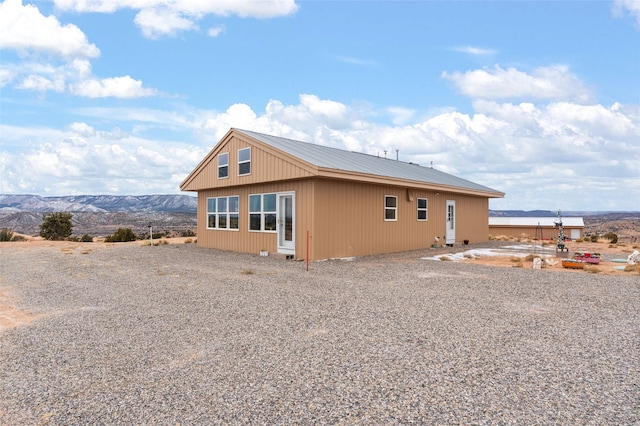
[[537, 99]]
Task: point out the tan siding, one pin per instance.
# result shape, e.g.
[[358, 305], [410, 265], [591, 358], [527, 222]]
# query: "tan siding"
[[351, 218], [265, 167], [253, 242]]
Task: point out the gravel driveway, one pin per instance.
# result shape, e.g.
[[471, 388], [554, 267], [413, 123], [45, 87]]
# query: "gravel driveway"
[[176, 334]]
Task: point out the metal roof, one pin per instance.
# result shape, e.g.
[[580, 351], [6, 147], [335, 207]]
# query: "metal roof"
[[338, 159], [535, 221]]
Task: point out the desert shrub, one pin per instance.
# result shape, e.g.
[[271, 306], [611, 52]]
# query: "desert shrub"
[[73, 238], [56, 226], [515, 259], [188, 241], [594, 238], [579, 240], [18, 238], [592, 269], [613, 238], [530, 257], [6, 234], [122, 235], [187, 233], [86, 238]]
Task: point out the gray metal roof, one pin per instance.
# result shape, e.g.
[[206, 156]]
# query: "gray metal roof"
[[338, 159]]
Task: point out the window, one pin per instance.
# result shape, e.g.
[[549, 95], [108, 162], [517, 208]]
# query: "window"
[[262, 212], [422, 208], [244, 161], [390, 207], [223, 212], [223, 165]]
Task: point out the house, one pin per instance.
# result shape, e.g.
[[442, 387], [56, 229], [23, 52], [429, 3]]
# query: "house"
[[542, 228], [261, 193]]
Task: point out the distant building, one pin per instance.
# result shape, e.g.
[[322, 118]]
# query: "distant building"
[[261, 193], [536, 227]]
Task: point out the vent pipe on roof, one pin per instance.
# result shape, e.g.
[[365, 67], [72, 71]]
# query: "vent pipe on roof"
[[397, 158], [385, 153]]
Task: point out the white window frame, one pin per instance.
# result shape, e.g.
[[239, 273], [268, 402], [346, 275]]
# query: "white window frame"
[[263, 213], [221, 165], [240, 163], [392, 208], [228, 213], [422, 209]]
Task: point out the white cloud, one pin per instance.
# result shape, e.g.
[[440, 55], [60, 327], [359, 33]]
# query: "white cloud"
[[551, 83], [157, 22], [558, 156], [73, 73], [475, 51], [167, 17], [17, 24], [118, 87], [630, 6], [216, 31]]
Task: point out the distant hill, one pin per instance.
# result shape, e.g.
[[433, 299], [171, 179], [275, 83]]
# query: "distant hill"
[[101, 214], [98, 203]]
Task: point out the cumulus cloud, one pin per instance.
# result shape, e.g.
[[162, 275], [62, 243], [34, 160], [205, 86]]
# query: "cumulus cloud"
[[118, 87], [629, 6], [68, 67], [546, 83], [17, 23], [156, 18], [559, 155]]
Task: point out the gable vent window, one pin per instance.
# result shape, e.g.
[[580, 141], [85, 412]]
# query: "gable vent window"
[[422, 208], [244, 161], [390, 208], [223, 165]]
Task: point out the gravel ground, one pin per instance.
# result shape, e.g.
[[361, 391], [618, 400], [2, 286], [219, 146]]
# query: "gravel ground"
[[180, 335]]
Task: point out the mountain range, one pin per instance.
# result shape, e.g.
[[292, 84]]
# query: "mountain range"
[[104, 214], [98, 203]]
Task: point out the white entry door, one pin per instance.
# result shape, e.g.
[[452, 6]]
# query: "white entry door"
[[450, 234], [286, 223]]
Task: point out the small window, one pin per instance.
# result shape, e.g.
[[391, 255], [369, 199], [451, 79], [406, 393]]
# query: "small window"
[[244, 161], [262, 212], [223, 165], [223, 212], [422, 208], [390, 207]]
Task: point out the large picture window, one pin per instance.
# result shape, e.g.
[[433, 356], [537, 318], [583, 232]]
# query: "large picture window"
[[223, 165], [390, 207], [223, 212], [244, 161], [422, 208], [262, 212]]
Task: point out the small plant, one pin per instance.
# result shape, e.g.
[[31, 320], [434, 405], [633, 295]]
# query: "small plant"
[[86, 238], [247, 272], [515, 259], [530, 257], [592, 269], [122, 235], [56, 226], [6, 234], [445, 258], [188, 241], [19, 238], [613, 238], [594, 238]]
